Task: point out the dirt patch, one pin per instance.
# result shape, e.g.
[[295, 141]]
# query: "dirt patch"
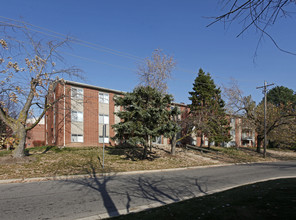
[[282, 155], [183, 153]]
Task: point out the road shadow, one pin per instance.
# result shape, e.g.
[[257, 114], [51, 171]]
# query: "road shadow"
[[99, 184], [165, 191], [131, 191]]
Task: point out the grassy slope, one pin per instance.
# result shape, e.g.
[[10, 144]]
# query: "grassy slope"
[[52, 161]]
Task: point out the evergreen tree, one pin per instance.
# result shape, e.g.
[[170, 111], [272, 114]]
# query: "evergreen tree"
[[207, 109], [145, 116], [281, 95]]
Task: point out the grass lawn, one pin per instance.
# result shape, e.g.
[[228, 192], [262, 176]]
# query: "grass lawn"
[[267, 200], [53, 161]]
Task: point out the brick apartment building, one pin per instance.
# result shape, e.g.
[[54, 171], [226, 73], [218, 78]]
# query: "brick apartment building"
[[241, 134], [78, 118]]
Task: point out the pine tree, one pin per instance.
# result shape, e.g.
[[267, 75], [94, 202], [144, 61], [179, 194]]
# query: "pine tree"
[[282, 96], [207, 110], [145, 116]]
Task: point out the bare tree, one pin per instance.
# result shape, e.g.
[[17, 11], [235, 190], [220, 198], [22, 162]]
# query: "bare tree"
[[278, 117], [156, 71], [256, 13], [30, 70]]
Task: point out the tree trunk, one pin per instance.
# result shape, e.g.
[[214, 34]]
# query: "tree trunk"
[[259, 141], [150, 143], [19, 143], [209, 143], [201, 140], [173, 144], [145, 151], [146, 145]]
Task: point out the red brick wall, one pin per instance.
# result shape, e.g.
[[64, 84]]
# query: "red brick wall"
[[91, 117], [49, 124], [35, 134], [238, 132], [59, 125]]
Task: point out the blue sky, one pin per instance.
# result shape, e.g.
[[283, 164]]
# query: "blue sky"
[[178, 27]]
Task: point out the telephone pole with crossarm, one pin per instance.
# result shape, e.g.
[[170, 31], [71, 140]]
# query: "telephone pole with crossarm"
[[265, 110]]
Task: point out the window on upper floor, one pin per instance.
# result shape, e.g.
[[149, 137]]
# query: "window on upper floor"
[[232, 133], [104, 98], [76, 93], [77, 116], [103, 119]]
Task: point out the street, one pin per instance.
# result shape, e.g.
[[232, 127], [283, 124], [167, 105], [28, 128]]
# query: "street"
[[80, 198]]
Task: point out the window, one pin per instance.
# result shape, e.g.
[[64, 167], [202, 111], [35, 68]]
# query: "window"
[[104, 98], [232, 132], [76, 138], [103, 119], [106, 139], [77, 93], [77, 116], [156, 140]]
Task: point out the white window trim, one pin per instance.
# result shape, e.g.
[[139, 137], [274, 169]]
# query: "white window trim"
[[75, 138], [106, 139], [103, 97], [105, 119], [75, 116], [78, 95]]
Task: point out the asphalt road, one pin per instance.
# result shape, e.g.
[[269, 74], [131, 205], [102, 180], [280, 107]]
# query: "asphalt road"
[[80, 198]]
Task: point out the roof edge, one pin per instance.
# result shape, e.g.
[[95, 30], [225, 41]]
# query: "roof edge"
[[93, 87]]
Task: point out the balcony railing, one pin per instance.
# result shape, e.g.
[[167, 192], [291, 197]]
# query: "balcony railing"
[[247, 137]]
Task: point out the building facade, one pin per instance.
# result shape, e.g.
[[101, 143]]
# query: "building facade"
[[78, 118], [84, 114]]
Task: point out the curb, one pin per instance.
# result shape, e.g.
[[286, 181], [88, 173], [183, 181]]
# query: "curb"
[[39, 179]]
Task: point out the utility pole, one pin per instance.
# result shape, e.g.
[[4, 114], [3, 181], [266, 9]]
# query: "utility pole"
[[265, 110], [104, 135]]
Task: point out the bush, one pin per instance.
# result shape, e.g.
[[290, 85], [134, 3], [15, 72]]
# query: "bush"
[[38, 143]]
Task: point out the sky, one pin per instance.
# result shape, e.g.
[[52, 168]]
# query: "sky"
[[118, 34]]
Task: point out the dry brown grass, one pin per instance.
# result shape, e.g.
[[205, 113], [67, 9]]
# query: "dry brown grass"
[[53, 161]]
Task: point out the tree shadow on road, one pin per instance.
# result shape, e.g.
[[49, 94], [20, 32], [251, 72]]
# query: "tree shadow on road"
[[99, 184], [132, 191], [163, 190]]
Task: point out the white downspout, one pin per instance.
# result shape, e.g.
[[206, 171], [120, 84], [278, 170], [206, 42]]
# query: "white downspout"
[[64, 115]]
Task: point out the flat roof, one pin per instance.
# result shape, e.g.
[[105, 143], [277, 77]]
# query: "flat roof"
[[107, 90], [180, 104], [93, 87]]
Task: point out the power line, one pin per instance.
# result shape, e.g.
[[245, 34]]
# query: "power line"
[[72, 39], [88, 45], [97, 61]]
